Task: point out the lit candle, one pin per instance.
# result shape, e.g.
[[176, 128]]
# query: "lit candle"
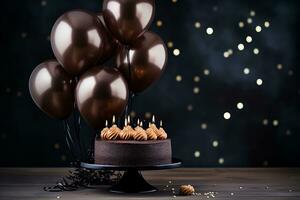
[[153, 119], [160, 123], [106, 123], [128, 119], [114, 119]]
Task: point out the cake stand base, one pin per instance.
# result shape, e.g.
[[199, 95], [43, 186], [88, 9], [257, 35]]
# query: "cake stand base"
[[132, 182]]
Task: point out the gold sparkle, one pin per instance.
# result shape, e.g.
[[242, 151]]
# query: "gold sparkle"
[[174, 1], [215, 143], [197, 154], [256, 51], [241, 24], [196, 90], [176, 52], [170, 44], [159, 23], [203, 126], [196, 79], [206, 72], [178, 78], [197, 24]]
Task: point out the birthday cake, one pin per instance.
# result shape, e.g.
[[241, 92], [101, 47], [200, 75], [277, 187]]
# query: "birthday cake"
[[133, 146]]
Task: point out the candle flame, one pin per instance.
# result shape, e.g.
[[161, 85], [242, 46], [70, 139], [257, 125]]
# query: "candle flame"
[[114, 119], [153, 119]]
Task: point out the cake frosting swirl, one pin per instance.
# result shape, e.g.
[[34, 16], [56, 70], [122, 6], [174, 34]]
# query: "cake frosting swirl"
[[126, 133], [151, 134], [140, 134]]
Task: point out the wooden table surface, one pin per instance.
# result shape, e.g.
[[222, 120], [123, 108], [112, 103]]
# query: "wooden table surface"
[[221, 183]]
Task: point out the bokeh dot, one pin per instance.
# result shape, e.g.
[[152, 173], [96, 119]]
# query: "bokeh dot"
[[241, 47], [197, 154], [279, 66], [226, 115], [197, 25], [206, 72], [275, 122], [246, 70], [159, 23], [252, 13], [221, 161], [248, 39], [226, 54], [170, 44], [209, 31], [196, 79], [240, 105], [203, 126], [267, 24], [176, 52], [265, 122], [196, 90], [241, 24], [215, 143], [259, 81], [249, 20], [190, 107], [256, 51], [178, 78], [258, 29]]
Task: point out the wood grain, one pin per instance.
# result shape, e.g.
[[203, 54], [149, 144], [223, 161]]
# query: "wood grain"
[[226, 183]]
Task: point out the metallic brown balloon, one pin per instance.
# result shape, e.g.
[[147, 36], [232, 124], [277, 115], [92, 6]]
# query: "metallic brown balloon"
[[147, 58], [79, 41], [52, 89], [100, 94], [128, 19], [110, 47]]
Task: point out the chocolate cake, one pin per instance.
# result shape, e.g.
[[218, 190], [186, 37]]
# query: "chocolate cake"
[[133, 153]]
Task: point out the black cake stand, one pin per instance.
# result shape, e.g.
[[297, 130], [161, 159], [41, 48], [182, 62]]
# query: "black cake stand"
[[132, 180]]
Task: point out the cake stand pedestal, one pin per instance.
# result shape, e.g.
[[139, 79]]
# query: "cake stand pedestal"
[[132, 180]]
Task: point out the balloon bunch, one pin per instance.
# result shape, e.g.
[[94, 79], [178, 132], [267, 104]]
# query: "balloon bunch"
[[82, 43]]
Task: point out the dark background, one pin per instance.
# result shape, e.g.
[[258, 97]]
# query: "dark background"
[[264, 133]]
